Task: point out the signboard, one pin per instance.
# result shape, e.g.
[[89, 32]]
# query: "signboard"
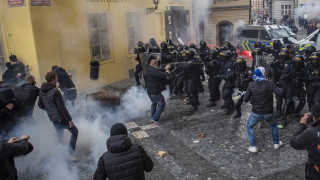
[[41, 3], [15, 3]]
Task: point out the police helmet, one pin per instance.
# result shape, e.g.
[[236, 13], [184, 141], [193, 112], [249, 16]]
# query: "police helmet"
[[225, 55], [315, 56], [192, 54], [152, 41], [298, 58], [224, 48], [284, 52], [310, 50], [228, 43], [164, 45], [240, 63], [258, 51], [203, 43], [298, 62], [257, 44], [213, 54], [217, 49], [140, 44], [192, 45]]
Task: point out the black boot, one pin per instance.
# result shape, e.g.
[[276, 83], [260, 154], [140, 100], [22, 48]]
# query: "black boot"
[[193, 108], [211, 104], [237, 115], [278, 113], [226, 111], [298, 109], [285, 112]]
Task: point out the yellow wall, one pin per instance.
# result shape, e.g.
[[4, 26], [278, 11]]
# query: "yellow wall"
[[43, 36], [18, 35]]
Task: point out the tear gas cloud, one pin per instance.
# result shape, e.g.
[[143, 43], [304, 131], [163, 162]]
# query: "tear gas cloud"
[[311, 8], [94, 122], [200, 15]]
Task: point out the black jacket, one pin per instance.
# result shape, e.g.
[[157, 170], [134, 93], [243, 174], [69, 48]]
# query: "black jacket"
[[26, 96], [308, 139], [155, 80], [123, 161], [7, 118], [64, 79], [8, 151], [50, 100], [260, 94]]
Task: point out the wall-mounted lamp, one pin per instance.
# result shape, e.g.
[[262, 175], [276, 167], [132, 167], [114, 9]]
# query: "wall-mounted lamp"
[[151, 10]]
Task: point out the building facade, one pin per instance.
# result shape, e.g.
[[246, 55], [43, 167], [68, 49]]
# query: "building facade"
[[72, 33], [282, 7], [224, 16]]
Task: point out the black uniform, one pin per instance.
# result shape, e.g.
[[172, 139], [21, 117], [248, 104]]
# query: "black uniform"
[[293, 76], [213, 67], [141, 48], [313, 80], [226, 75], [242, 75], [232, 49]]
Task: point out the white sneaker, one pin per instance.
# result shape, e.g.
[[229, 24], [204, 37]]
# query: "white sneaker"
[[277, 146], [253, 149]]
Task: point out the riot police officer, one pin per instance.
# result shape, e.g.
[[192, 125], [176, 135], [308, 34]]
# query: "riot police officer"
[[294, 75], [154, 47], [232, 49], [276, 48], [226, 75], [308, 52], [141, 48], [213, 66], [166, 56], [313, 80], [203, 50], [242, 75], [192, 71]]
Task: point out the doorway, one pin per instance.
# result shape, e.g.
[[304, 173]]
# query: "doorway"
[[225, 32]]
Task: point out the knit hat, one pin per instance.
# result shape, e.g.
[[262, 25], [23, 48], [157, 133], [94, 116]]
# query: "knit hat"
[[13, 58], [260, 71], [117, 129]]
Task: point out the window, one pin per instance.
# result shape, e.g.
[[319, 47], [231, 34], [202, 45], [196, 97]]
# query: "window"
[[264, 35], [133, 30], [249, 33], [285, 9], [99, 36], [2, 56]]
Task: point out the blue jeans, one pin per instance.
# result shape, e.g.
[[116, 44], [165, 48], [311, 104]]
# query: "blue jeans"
[[60, 126], [157, 106], [254, 119]]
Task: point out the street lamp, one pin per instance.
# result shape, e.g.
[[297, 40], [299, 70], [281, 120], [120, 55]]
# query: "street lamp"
[[151, 10]]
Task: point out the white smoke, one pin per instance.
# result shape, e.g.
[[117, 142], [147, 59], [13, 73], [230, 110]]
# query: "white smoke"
[[51, 160], [200, 16], [311, 8]]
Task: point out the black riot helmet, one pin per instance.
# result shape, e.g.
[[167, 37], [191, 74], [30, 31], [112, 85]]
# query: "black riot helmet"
[[192, 45], [309, 51], [164, 45], [257, 44], [276, 44], [224, 48], [228, 44], [203, 43], [185, 47], [174, 54], [170, 48], [240, 64], [152, 42], [218, 49], [141, 46], [298, 62], [170, 42], [284, 54], [225, 55], [214, 54], [258, 51], [192, 54], [315, 58]]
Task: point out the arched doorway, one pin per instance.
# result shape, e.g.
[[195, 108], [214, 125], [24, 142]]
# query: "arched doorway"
[[225, 30]]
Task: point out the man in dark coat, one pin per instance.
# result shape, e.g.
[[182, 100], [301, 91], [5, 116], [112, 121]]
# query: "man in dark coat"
[[155, 85], [50, 100], [19, 68], [7, 101], [308, 139], [10, 76], [10, 149], [65, 84], [26, 96], [123, 160]]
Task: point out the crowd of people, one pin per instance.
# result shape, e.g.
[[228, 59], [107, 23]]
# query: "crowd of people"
[[292, 76]]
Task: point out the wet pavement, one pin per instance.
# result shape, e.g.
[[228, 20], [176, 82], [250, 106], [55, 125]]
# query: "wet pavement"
[[222, 153]]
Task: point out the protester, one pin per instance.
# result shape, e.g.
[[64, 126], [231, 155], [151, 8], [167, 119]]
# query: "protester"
[[26, 96], [10, 76], [10, 149], [155, 85], [260, 92], [7, 101], [123, 160], [19, 68], [65, 84], [50, 100], [305, 138]]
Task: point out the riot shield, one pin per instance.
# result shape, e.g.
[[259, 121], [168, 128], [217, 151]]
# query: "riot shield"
[[264, 61]]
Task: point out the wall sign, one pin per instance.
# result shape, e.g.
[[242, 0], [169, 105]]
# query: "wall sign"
[[41, 3], [15, 3], [110, 1], [176, 1]]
